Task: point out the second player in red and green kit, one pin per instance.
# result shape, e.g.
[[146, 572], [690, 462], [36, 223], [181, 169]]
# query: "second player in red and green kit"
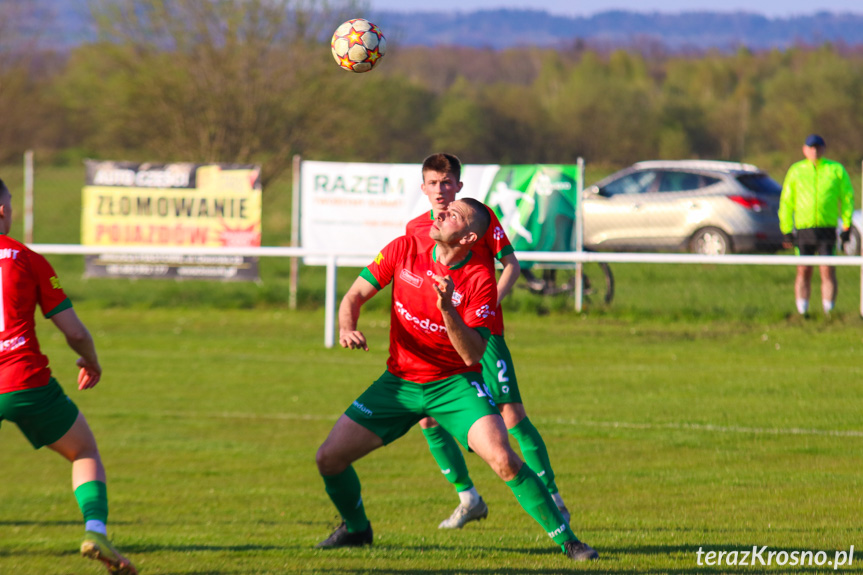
[[441, 183]]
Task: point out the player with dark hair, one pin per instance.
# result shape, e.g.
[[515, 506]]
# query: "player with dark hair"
[[32, 399], [441, 183], [443, 300]]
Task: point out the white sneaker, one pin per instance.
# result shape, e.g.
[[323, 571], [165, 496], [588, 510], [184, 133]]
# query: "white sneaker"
[[464, 514]]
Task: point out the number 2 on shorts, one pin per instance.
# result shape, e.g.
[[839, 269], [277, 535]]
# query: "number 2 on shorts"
[[501, 374]]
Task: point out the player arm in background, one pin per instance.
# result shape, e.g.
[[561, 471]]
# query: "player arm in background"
[[81, 342], [508, 277], [499, 245], [349, 314], [466, 340]]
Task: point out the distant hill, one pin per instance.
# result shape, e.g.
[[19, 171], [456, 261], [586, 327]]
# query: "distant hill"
[[501, 29], [65, 23]]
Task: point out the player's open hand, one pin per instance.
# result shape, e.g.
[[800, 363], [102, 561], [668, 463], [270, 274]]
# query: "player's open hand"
[[443, 287], [89, 374], [353, 340]]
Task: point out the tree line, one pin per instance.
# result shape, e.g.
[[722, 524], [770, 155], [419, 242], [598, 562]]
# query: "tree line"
[[252, 81]]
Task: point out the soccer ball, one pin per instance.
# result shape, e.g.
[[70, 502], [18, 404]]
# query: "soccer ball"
[[358, 45]]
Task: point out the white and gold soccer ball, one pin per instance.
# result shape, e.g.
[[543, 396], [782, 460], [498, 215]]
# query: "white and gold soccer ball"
[[358, 45]]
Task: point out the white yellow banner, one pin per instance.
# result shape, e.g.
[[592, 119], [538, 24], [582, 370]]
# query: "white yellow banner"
[[177, 205]]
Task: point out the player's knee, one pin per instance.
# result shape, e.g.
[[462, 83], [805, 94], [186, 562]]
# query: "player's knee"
[[78, 443], [511, 467], [89, 451], [504, 462], [328, 462], [79, 453]]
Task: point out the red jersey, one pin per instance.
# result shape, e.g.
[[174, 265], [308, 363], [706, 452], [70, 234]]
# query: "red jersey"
[[26, 279], [494, 244], [420, 349]]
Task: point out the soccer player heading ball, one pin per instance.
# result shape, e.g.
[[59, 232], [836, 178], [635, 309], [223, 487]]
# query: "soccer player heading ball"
[[443, 303]]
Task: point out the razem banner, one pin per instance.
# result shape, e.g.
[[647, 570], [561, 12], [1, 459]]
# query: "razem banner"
[[171, 205], [356, 208]]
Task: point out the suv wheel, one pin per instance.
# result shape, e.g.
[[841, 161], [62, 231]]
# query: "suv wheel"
[[710, 242]]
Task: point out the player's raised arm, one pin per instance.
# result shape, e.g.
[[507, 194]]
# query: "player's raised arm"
[[498, 245], [349, 314], [81, 342]]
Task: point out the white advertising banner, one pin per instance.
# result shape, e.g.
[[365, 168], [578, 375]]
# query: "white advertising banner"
[[355, 208]]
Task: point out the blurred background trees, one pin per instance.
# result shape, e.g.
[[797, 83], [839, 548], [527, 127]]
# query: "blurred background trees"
[[253, 81]]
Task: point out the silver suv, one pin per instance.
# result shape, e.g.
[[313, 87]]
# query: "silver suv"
[[705, 207]]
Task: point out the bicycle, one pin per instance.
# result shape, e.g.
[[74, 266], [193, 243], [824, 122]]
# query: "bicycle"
[[558, 280]]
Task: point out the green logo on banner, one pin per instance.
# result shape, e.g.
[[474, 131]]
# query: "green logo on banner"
[[536, 205]]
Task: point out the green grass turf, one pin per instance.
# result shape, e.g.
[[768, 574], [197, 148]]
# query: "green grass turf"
[[665, 437]]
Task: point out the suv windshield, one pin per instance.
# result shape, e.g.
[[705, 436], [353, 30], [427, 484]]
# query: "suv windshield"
[[636, 183], [760, 184], [675, 181]]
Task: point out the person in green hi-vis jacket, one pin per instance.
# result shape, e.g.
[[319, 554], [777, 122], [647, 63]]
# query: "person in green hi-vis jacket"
[[816, 191]]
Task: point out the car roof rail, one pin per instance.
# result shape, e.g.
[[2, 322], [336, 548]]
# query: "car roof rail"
[[713, 165]]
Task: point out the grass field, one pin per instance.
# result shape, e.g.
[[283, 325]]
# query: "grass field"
[[694, 412], [665, 437]]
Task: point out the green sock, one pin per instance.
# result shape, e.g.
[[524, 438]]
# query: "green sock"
[[92, 498], [344, 490], [535, 499], [534, 452], [446, 452]]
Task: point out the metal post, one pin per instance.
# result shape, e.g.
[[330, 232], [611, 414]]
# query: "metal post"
[[295, 233], [28, 197], [330, 303], [579, 236]]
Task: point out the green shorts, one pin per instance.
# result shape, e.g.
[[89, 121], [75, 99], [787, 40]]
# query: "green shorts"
[[391, 405], [44, 414], [499, 372]]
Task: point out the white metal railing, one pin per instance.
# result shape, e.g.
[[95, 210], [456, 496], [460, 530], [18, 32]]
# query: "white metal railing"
[[540, 257]]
